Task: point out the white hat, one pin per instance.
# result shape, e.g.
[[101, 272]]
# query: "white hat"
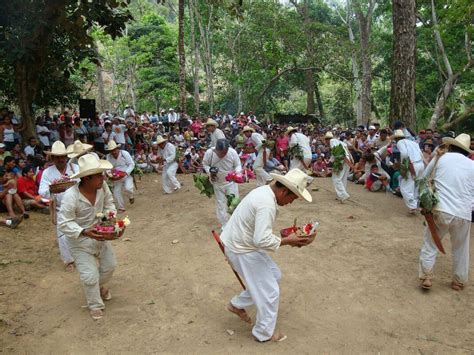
[[248, 128], [58, 149], [160, 140], [291, 129], [89, 164], [462, 141], [242, 113], [296, 181], [171, 109], [77, 148], [398, 134], [328, 135], [211, 122], [2, 145], [371, 127], [111, 146]]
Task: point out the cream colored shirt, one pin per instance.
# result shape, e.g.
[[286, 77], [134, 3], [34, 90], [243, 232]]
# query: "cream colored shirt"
[[250, 228], [303, 141], [77, 213], [215, 136], [231, 162]]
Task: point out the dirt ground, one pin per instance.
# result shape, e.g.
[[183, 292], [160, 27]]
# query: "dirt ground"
[[354, 290]]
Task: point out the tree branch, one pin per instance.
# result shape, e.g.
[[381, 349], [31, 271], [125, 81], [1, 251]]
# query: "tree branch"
[[467, 112]]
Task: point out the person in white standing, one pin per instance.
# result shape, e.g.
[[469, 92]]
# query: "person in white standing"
[[299, 139], [263, 154], [247, 238], [119, 129], [170, 165], [123, 161], [216, 133], [60, 169], [217, 163], [453, 179], [173, 119], [410, 152], [80, 211], [339, 180]]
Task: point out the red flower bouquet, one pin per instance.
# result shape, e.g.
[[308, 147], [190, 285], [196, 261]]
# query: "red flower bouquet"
[[111, 226], [116, 174], [303, 231]]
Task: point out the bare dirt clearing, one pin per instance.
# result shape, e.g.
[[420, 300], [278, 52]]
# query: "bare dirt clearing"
[[354, 290]]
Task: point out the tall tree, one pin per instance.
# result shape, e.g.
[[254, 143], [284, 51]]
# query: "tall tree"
[[402, 97], [182, 58]]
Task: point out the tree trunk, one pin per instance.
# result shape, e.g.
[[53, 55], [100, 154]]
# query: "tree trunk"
[[25, 84], [319, 100], [365, 99], [440, 106], [402, 95], [310, 105], [197, 60], [100, 89], [182, 58]]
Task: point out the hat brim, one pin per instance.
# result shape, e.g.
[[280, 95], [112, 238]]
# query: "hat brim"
[[104, 165], [288, 131], [47, 152], [162, 141], [248, 130], [109, 150], [452, 141], [87, 149], [303, 194]]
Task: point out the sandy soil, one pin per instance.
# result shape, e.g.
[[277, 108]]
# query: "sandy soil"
[[354, 290]]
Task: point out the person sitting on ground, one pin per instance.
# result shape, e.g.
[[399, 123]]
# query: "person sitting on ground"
[[273, 165], [28, 191], [320, 168], [376, 181], [9, 194]]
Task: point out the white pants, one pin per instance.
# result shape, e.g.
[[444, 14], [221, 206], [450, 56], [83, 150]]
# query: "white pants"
[[220, 192], [63, 247], [169, 181], [262, 278], [87, 252], [297, 164], [459, 230], [263, 177], [127, 184], [408, 187], [339, 181]]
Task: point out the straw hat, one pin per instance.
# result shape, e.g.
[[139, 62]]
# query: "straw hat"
[[77, 148], [58, 149], [89, 164], [248, 128], [462, 141], [291, 129], [111, 146], [211, 122], [398, 134], [160, 140], [328, 135], [296, 181]]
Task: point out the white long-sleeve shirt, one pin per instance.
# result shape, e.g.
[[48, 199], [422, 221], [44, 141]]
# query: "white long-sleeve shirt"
[[410, 150], [49, 175], [124, 162], [454, 183], [215, 136], [303, 141], [257, 140], [231, 162], [250, 228], [168, 153], [77, 213]]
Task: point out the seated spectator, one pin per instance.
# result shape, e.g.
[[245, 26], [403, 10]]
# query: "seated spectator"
[[273, 165], [376, 181], [9, 195], [28, 191], [3, 154], [33, 148], [17, 153], [11, 166], [395, 179], [320, 168]]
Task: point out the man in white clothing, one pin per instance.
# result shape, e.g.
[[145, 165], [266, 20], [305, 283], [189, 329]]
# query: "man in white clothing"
[[119, 129], [339, 179], [217, 163], [263, 153], [453, 178], [247, 238], [299, 139], [215, 132], [410, 153], [123, 161], [59, 170], [173, 119], [80, 211], [170, 165]]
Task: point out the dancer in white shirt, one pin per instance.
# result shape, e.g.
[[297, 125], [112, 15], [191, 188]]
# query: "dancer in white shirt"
[[170, 165], [121, 160], [247, 238], [217, 163], [263, 154], [453, 178], [299, 139], [215, 132]]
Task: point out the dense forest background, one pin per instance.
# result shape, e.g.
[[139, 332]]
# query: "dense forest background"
[[330, 58]]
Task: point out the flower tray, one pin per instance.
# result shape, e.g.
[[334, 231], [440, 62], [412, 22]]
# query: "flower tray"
[[60, 187]]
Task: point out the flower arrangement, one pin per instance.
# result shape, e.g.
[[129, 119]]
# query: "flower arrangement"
[[110, 224], [240, 178], [116, 174], [303, 231]]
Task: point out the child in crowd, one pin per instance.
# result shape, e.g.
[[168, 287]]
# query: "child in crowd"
[[9, 194], [28, 191], [320, 168], [376, 181]]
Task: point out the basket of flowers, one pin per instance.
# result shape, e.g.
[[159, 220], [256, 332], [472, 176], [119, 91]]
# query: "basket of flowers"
[[241, 177], [304, 231], [111, 227], [60, 185]]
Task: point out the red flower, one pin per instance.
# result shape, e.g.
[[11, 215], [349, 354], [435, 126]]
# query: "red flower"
[[121, 223]]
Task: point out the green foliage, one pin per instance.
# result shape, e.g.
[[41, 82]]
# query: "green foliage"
[[338, 155], [202, 183]]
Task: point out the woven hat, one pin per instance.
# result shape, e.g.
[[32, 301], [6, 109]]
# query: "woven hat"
[[77, 148], [211, 122], [291, 129], [160, 140], [296, 181], [89, 164], [111, 146], [58, 149], [247, 128], [398, 134], [462, 141], [328, 135]]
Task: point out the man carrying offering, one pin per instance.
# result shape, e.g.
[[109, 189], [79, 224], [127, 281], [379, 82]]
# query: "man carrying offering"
[[170, 165], [248, 236], [263, 154], [82, 206]]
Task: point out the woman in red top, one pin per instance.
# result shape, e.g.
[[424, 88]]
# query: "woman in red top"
[[28, 191]]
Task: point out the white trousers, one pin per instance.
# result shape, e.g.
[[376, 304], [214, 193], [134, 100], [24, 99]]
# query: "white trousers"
[[263, 177], [127, 184], [297, 164], [459, 229], [220, 192], [339, 181], [95, 262], [66, 256], [262, 277], [168, 178], [408, 187]]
